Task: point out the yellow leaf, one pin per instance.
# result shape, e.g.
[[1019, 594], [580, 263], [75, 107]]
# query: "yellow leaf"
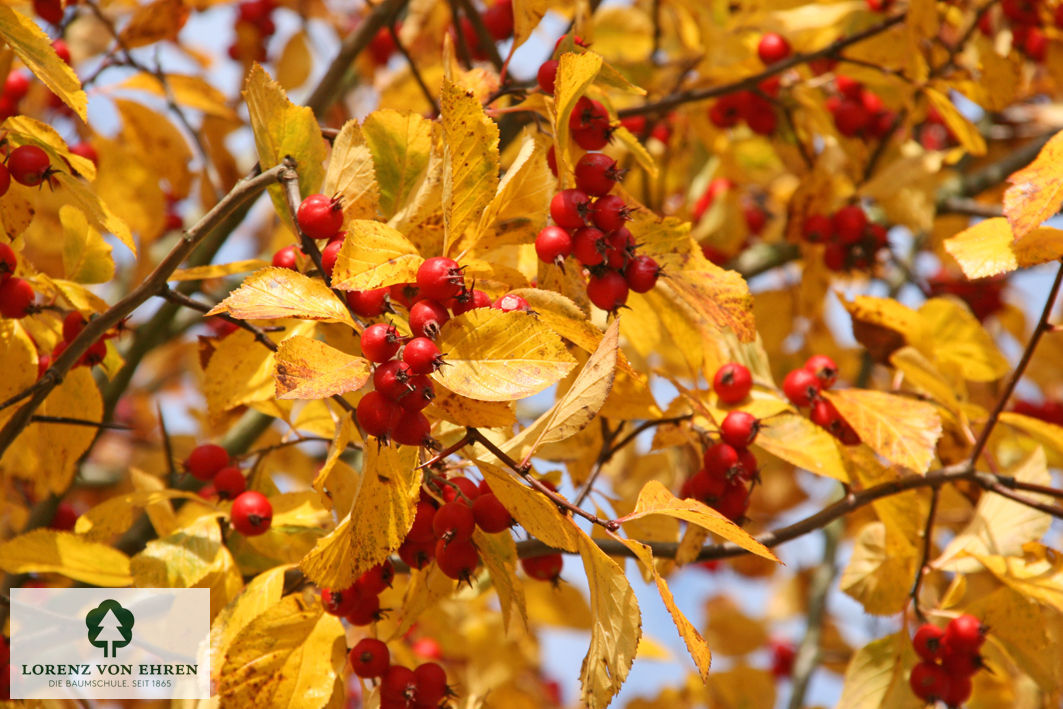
[[616, 629], [1000, 527], [696, 645], [518, 210], [642, 156], [877, 676], [261, 593], [98, 213], [470, 155], [900, 429], [182, 559], [741, 686], [157, 21], [190, 91], [288, 656], [282, 128], [877, 576], [373, 255], [401, 144], [730, 630], [883, 325], [34, 48], [922, 374], [310, 369], [299, 521], [496, 356], [18, 360], [1037, 574], [377, 524], [989, 249], [25, 130], [48, 453], [275, 293], [350, 174], [45, 551], [218, 270], [295, 63], [797, 440], [531, 509], [1048, 434], [960, 341], [158, 141], [580, 403], [655, 499], [86, 256], [426, 588], [1036, 190], [117, 514], [499, 554], [240, 372], [575, 72], [966, 132], [463, 411], [526, 17]]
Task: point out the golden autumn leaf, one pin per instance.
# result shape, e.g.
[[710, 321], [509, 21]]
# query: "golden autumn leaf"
[[900, 429], [373, 255], [575, 72], [191, 91], [463, 411], [117, 514], [98, 213], [1037, 574], [1045, 433], [34, 48], [154, 22], [615, 630], [259, 595], [966, 132], [883, 325], [531, 509], [218, 270], [655, 499], [295, 62], [152, 133], [377, 523], [86, 255], [499, 555], [518, 210], [988, 248], [470, 160], [959, 341], [877, 676], [797, 440], [310, 369], [877, 576], [287, 656], [526, 17], [49, 551], [401, 144], [275, 293], [350, 174], [240, 372], [496, 356], [1036, 190], [26, 130], [730, 630]]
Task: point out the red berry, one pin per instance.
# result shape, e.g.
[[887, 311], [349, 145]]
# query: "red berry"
[[704, 486], [339, 602], [824, 368], [544, 568], [721, 460], [927, 641], [95, 354], [431, 681], [454, 522], [16, 86], [834, 256], [817, 228], [412, 428], [755, 216], [457, 559], [498, 19], [546, 77], [773, 48], [734, 501], [551, 160], [73, 324], [365, 610], [398, 685], [596, 174], [62, 49], [329, 254], [392, 379], [621, 248], [229, 483], [747, 463], [800, 387], [641, 274], [382, 46], [491, 515], [251, 513], [375, 413], [427, 647], [825, 415], [553, 244], [959, 663], [739, 428], [589, 245], [380, 342], [609, 212], [370, 658], [965, 633], [511, 302], [849, 223], [469, 300], [368, 303], [958, 691], [732, 383], [86, 151], [422, 531], [727, 111], [206, 460], [608, 291], [320, 216], [29, 165], [422, 356], [377, 579], [929, 681], [440, 278], [285, 258], [421, 393], [569, 208], [427, 317], [782, 658], [469, 490], [65, 517]]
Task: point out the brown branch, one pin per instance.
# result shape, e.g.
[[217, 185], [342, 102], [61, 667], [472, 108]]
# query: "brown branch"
[[191, 303], [928, 534], [969, 207], [459, 35], [1053, 510], [750, 82], [39, 418], [413, 68], [487, 42], [807, 657]]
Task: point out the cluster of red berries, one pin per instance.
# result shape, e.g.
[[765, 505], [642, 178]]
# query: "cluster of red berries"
[[949, 659], [802, 387], [251, 513], [16, 86], [984, 296], [852, 240], [1027, 20], [589, 224], [359, 603], [423, 687], [546, 77], [319, 217], [641, 128], [934, 133], [859, 112], [16, 294], [783, 655], [252, 30], [754, 107], [73, 324]]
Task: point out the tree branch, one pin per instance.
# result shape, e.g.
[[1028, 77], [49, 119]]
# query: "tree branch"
[[808, 652]]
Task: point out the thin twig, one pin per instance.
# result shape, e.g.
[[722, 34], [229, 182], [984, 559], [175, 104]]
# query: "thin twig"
[[459, 35], [928, 545], [486, 41], [413, 68], [167, 445], [40, 418], [1053, 510]]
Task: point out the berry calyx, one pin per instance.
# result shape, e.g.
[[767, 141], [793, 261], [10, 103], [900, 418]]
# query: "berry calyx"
[[457, 559], [427, 317], [570, 208], [320, 216], [739, 428], [380, 342], [422, 356], [251, 514], [29, 165], [927, 641], [206, 460], [801, 386], [398, 685], [732, 383], [392, 379], [589, 245], [641, 274], [454, 522], [431, 681], [370, 658], [609, 212]]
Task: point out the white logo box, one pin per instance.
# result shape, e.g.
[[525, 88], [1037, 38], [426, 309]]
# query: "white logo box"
[[110, 643]]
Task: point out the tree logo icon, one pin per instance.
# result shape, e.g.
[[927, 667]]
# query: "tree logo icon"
[[109, 624]]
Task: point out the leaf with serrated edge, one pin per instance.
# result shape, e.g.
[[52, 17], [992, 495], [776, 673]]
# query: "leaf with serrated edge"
[[988, 248], [575, 72], [797, 440], [259, 595], [116, 514], [310, 369], [47, 551], [274, 293], [374, 255], [350, 174], [900, 429], [86, 255], [98, 213], [616, 628], [518, 210], [218, 270], [34, 48], [401, 144], [526, 17], [470, 154], [960, 342], [878, 576], [496, 356], [655, 499], [382, 515], [1036, 190]]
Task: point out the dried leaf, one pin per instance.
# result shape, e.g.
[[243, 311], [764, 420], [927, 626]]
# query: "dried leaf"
[[49, 551], [310, 369], [900, 429], [275, 293], [1036, 190], [373, 255]]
